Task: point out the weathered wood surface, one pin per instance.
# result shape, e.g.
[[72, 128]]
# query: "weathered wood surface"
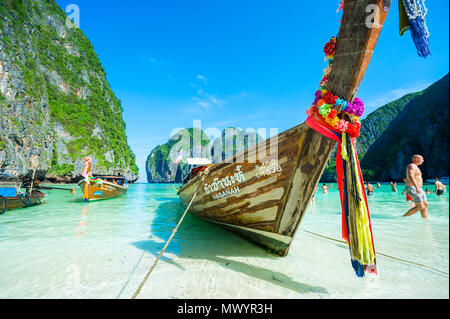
[[105, 190], [268, 209], [36, 198]]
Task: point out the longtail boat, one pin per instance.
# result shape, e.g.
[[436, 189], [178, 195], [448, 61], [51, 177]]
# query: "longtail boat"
[[12, 197], [98, 187], [264, 198]]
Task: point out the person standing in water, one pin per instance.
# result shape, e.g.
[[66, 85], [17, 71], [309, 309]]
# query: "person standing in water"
[[378, 185], [408, 198], [324, 189], [439, 187], [414, 189], [394, 186], [370, 189]]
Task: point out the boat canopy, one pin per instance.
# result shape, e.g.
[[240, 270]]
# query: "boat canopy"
[[198, 161]]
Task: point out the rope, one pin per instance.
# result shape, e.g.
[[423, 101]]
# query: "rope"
[[381, 254], [204, 173]]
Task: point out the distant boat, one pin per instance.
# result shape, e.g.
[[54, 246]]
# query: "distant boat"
[[100, 187], [12, 197], [265, 200]]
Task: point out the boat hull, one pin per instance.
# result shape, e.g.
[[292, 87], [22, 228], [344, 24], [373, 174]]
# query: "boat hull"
[[36, 198], [267, 203], [105, 190]]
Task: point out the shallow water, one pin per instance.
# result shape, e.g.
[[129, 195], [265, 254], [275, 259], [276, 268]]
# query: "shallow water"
[[70, 249]]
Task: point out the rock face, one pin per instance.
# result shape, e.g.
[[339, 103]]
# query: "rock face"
[[420, 128], [161, 166], [56, 106]]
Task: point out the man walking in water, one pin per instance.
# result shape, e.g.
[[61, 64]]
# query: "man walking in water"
[[414, 189]]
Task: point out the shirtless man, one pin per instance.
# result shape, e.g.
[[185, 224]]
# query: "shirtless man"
[[370, 189], [414, 189], [439, 187], [325, 188]]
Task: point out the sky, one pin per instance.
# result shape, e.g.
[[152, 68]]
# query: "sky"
[[246, 63]]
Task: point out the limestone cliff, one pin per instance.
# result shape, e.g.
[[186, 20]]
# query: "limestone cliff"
[[56, 105], [161, 166], [420, 128], [417, 123]]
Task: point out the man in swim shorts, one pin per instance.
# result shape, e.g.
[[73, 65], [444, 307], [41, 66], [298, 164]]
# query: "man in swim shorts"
[[370, 189], [439, 187], [414, 189]]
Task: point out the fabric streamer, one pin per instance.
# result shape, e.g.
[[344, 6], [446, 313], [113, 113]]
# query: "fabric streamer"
[[412, 17], [356, 225]]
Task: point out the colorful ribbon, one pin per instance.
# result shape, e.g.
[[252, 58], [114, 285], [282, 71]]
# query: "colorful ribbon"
[[356, 224]]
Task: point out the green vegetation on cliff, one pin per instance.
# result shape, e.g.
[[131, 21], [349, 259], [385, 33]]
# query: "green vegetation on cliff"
[[420, 128], [417, 123], [51, 63]]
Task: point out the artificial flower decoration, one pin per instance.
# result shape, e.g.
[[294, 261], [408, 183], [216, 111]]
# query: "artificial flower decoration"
[[342, 125], [324, 110], [330, 98], [318, 95], [330, 48], [332, 114], [324, 81], [356, 107]]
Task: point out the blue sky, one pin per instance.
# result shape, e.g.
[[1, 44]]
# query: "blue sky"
[[243, 63]]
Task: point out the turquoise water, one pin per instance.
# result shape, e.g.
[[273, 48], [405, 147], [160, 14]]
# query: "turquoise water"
[[70, 249]]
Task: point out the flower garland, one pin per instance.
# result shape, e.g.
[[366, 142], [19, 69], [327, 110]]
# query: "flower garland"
[[336, 112]]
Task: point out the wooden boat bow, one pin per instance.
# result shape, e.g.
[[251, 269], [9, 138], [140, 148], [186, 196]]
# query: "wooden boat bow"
[[268, 208]]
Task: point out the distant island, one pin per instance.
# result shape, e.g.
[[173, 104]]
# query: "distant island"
[[56, 106], [414, 123]]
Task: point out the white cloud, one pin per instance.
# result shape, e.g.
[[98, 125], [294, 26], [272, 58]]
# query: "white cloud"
[[379, 100], [204, 99], [203, 79]]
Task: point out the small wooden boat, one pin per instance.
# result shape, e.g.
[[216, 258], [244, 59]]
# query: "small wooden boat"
[[264, 198], [103, 187], [11, 196], [98, 187]]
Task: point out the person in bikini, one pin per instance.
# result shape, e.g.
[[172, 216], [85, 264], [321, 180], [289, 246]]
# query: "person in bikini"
[[414, 189], [394, 186]]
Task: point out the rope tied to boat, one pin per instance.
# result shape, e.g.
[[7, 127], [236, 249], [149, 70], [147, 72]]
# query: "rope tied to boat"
[[381, 254], [203, 175]]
